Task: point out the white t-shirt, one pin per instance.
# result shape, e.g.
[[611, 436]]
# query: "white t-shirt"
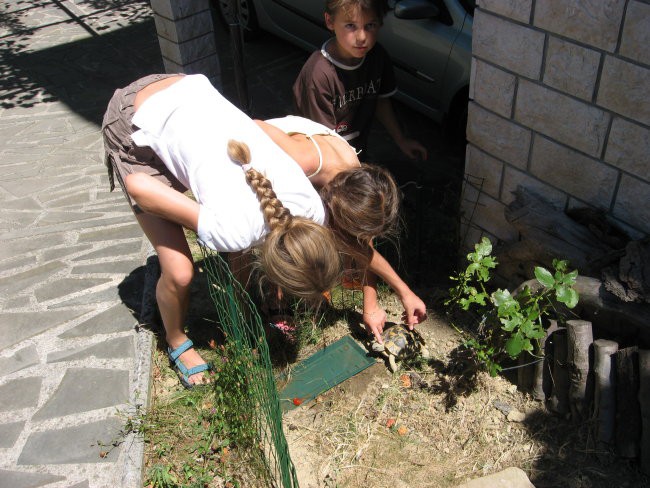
[[188, 125]]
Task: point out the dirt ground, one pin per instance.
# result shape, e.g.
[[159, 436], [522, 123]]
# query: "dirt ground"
[[430, 425]]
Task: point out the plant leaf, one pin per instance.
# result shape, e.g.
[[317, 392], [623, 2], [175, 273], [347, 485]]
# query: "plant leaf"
[[567, 295], [544, 276], [514, 346]]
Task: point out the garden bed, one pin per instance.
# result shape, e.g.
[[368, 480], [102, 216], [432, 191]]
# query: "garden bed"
[[431, 424]]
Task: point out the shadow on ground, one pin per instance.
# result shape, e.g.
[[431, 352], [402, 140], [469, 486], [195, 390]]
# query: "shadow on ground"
[[82, 74]]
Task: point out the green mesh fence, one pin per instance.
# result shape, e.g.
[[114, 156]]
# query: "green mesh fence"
[[243, 330]]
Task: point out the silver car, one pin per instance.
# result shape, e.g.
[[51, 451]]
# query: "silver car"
[[429, 42]]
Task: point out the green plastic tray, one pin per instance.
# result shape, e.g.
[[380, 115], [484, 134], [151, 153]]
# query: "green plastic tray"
[[324, 370]]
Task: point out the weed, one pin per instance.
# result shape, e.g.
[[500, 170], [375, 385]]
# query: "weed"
[[509, 324]]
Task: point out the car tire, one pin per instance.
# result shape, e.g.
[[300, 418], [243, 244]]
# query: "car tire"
[[247, 18]]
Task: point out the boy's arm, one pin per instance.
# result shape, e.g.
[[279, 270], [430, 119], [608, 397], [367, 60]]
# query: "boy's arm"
[[386, 115]]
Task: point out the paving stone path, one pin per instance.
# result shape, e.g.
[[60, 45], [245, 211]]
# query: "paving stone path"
[[72, 363]]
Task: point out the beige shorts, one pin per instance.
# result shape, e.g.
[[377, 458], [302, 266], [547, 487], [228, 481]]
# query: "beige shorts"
[[123, 157]]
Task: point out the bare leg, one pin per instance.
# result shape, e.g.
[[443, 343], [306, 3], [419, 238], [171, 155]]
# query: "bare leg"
[[173, 288]]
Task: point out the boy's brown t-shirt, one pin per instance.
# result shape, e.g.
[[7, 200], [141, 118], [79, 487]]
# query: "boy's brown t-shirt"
[[341, 97]]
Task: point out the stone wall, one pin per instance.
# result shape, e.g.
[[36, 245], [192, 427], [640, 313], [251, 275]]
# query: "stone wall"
[[560, 103], [186, 36]]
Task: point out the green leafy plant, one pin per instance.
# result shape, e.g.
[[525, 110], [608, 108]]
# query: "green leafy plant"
[[509, 324], [160, 477]]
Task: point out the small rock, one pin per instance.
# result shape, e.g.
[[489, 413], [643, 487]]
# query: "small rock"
[[502, 407], [516, 416], [508, 478]]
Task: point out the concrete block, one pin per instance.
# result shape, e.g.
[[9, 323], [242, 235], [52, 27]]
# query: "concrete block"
[[485, 169], [67, 287], [209, 66], [20, 479], [178, 9], [485, 212], [21, 359], [496, 135], [184, 29], [563, 118], [16, 327], [518, 10], [594, 23], [115, 319], [71, 445], [123, 249], [113, 267], [585, 178], [189, 51], [471, 234], [571, 68], [16, 247], [85, 389], [624, 89], [635, 41], [122, 347], [508, 478], [515, 47], [514, 178], [9, 433], [112, 234], [631, 203], [20, 393], [15, 283], [496, 88], [628, 148]]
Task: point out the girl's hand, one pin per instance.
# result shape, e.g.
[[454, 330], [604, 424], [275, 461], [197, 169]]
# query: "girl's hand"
[[415, 311], [374, 322]]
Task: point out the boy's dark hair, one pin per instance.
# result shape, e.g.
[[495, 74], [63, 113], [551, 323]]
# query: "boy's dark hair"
[[380, 7]]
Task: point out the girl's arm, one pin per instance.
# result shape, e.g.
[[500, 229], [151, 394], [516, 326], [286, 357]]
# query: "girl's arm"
[[415, 310], [156, 198], [293, 148]]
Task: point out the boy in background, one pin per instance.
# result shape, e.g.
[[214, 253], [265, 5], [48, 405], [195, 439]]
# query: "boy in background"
[[350, 80]]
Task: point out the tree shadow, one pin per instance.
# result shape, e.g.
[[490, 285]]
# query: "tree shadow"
[[83, 74]]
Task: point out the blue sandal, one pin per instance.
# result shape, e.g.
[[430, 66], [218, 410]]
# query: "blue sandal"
[[182, 371]]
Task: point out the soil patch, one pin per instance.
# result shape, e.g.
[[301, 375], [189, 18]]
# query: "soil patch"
[[432, 425]]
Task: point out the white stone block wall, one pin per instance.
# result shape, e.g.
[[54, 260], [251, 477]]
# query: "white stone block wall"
[[186, 37], [560, 103]]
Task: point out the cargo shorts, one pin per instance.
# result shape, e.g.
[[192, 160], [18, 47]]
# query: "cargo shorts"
[[122, 155]]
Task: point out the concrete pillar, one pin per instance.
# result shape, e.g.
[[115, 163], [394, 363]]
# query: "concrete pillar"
[[186, 36]]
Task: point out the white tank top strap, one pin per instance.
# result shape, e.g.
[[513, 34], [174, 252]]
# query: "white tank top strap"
[[320, 156]]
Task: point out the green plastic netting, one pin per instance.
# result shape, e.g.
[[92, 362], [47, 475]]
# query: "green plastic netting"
[[245, 337]]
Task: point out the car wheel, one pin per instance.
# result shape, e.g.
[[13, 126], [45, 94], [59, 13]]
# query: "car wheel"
[[247, 18]]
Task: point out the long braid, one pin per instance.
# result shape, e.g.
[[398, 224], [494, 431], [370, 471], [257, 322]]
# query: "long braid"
[[298, 254], [275, 214]]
